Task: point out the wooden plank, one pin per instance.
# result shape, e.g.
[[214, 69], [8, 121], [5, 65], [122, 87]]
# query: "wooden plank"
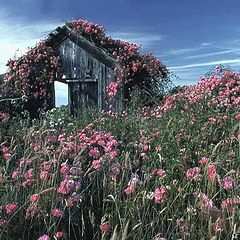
[[91, 48]]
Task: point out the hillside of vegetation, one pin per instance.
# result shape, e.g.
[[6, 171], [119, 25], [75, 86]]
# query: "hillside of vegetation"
[[166, 172]]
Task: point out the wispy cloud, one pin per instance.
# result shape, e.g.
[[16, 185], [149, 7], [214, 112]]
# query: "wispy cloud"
[[136, 37], [181, 51], [213, 53], [204, 44], [227, 61], [17, 36]]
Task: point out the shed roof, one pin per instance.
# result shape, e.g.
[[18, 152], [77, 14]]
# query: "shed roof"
[[64, 32]]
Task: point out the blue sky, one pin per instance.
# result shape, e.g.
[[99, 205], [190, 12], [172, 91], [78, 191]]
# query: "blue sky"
[[189, 36]]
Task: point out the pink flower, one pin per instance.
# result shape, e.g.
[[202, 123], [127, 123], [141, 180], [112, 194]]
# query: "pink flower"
[[7, 156], [56, 212], [218, 225], [193, 173], [113, 154], [47, 166], [237, 116], [10, 208], [64, 168], [105, 227], [66, 186], [59, 234], [34, 198], [206, 202], [96, 164], [70, 202], [203, 161], [29, 174], [128, 190], [94, 153], [227, 183], [230, 202], [43, 175], [158, 172], [6, 149], [160, 194], [44, 237], [15, 174], [212, 172]]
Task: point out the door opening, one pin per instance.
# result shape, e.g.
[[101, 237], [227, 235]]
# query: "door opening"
[[61, 94]]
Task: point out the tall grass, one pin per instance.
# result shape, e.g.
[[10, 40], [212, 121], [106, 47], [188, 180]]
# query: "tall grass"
[[141, 174]]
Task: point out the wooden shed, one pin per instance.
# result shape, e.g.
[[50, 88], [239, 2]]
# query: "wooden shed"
[[87, 70]]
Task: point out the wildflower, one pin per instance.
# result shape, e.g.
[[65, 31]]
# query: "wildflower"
[[96, 164], [212, 172], [47, 166], [7, 156], [34, 198], [10, 208], [105, 227], [227, 183], [59, 234], [15, 174], [160, 194], [64, 169], [237, 116], [203, 161], [158, 172], [56, 212], [206, 202], [113, 154], [66, 186], [70, 202], [44, 237], [43, 175], [128, 190], [218, 225], [193, 173], [94, 153], [29, 174], [229, 203]]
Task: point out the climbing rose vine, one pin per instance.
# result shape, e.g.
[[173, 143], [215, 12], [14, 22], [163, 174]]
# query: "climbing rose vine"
[[33, 73], [135, 68]]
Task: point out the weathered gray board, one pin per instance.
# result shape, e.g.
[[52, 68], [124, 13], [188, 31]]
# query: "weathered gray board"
[[91, 79]]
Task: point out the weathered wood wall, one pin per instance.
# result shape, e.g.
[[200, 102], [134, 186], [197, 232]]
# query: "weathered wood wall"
[[78, 64]]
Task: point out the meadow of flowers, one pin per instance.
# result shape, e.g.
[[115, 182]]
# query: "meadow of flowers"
[[166, 172]]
